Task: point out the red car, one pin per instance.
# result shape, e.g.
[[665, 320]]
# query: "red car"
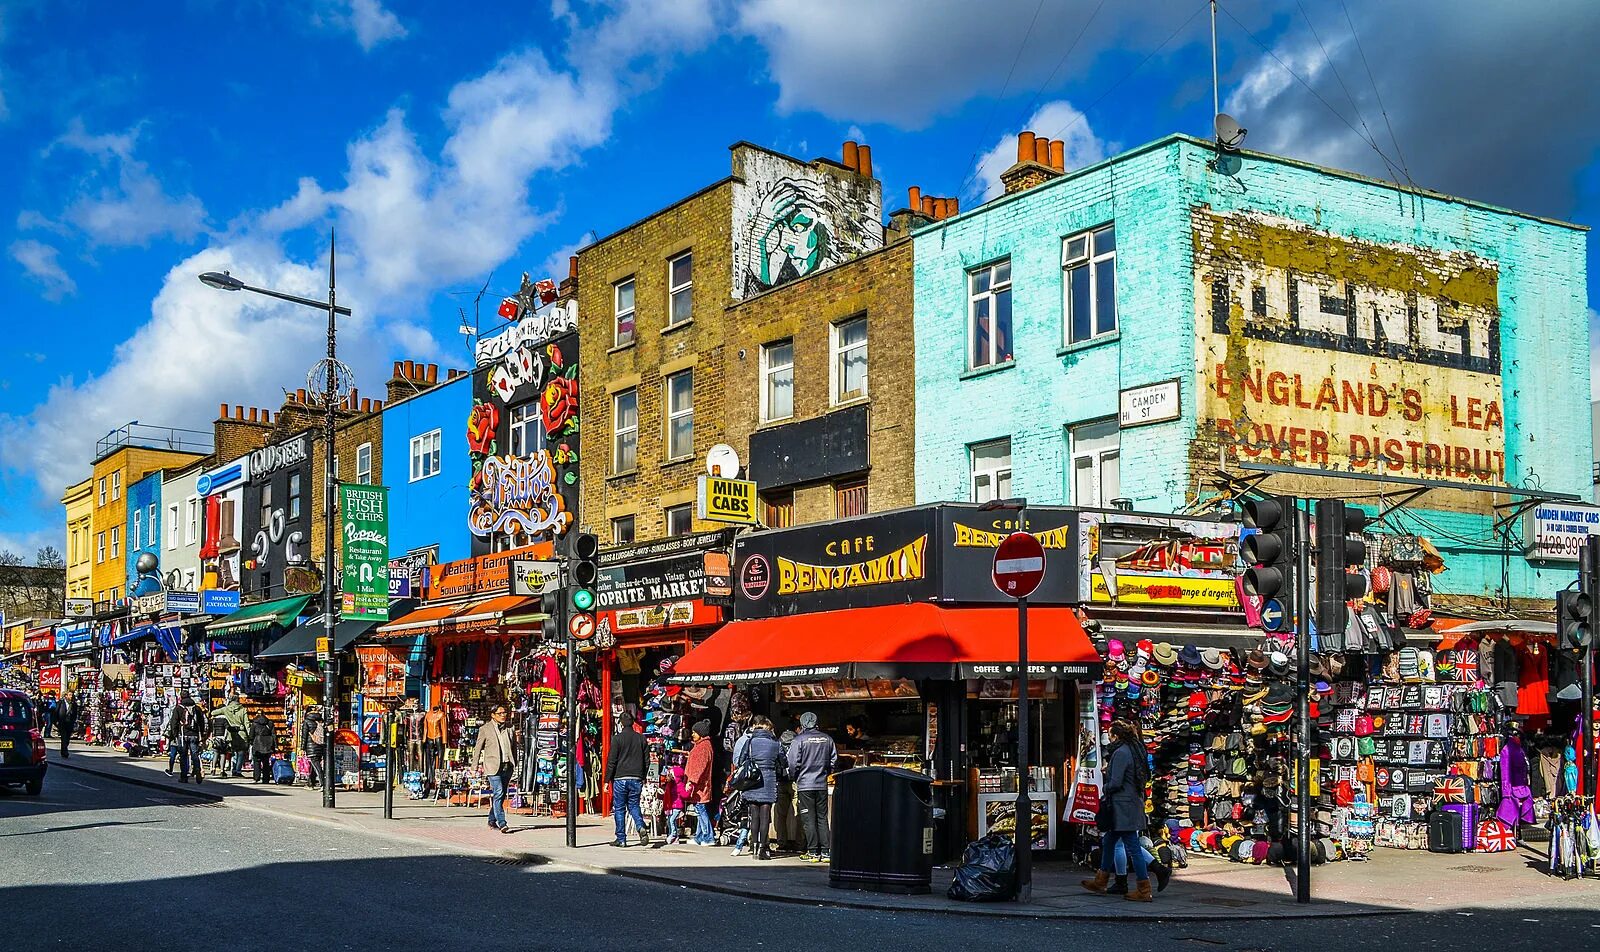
[[21, 744]]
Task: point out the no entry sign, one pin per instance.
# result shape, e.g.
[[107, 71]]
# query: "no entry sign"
[[1018, 565]]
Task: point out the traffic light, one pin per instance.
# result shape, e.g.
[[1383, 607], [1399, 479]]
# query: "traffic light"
[[550, 607], [1336, 553], [1269, 553], [1572, 619], [583, 569]]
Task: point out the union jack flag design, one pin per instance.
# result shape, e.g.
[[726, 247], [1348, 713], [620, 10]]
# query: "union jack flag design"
[[1451, 790], [1496, 837]]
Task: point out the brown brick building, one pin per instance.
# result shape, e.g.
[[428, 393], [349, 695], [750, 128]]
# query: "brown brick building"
[[653, 306], [821, 389]]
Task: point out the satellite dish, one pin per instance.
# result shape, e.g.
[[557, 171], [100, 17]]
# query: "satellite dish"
[[722, 460], [1229, 133]]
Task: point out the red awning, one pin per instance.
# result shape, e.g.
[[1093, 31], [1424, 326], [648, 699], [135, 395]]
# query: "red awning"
[[426, 618], [488, 613], [919, 640]]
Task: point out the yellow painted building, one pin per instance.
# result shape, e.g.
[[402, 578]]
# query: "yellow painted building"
[[113, 473], [79, 501]]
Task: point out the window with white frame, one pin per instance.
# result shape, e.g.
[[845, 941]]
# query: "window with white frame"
[[138, 527], [1095, 449], [849, 359], [101, 483], [116, 486], [116, 541], [172, 526], [527, 431], [191, 522], [1089, 263], [680, 289], [991, 470], [150, 526], [100, 547], [680, 520], [680, 415], [777, 380], [622, 302], [989, 314], [625, 431], [622, 530], [294, 496], [424, 455], [266, 504], [364, 464]]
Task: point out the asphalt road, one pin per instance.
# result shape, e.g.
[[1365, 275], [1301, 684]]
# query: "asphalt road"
[[97, 864]]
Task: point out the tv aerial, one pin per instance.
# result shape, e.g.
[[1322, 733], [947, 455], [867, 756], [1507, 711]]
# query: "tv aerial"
[[1230, 135]]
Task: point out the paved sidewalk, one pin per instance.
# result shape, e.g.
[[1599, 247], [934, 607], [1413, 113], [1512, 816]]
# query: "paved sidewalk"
[[1394, 882]]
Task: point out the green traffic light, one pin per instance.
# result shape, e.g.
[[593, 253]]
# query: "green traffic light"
[[582, 599]]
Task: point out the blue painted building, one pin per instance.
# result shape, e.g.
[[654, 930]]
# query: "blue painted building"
[[143, 533], [426, 467], [1117, 335]]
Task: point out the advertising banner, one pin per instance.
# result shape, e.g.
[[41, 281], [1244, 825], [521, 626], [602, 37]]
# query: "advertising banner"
[[971, 536], [364, 547], [484, 574], [1325, 352], [878, 560], [1148, 560], [1555, 531], [50, 679]]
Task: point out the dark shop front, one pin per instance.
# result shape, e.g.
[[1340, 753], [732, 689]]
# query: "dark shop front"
[[889, 629]]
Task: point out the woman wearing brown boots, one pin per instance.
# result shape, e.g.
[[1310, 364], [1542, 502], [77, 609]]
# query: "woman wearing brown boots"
[[1122, 811]]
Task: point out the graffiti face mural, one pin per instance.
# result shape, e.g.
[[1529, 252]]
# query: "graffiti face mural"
[[791, 220], [522, 435]]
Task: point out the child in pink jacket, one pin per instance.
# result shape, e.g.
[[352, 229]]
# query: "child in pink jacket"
[[674, 789]]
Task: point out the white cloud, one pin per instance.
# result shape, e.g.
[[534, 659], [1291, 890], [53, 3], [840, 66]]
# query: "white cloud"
[[367, 20], [1053, 120], [134, 210], [39, 261]]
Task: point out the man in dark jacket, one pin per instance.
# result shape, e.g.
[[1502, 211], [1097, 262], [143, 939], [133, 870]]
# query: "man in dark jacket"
[[186, 726], [263, 741], [67, 721], [812, 756], [625, 767]]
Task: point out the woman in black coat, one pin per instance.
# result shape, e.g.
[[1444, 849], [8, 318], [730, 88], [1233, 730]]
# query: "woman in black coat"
[[1122, 810], [263, 741], [765, 752]]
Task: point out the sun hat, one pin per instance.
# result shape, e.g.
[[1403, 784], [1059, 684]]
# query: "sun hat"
[[1278, 663], [1189, 657], [1212, 658], [1164, 653], [1257, 659]]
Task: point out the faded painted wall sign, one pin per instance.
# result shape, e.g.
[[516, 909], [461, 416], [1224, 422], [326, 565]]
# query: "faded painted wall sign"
[[791, 220], [1332, 353]]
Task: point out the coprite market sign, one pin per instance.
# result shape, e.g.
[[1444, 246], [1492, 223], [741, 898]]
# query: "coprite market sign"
[[658, 584]]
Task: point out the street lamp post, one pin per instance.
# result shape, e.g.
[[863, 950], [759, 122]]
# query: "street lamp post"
[[1024, 804], [330, 684]]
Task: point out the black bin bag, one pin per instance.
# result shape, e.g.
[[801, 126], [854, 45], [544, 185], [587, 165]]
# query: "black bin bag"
[[988, 871]]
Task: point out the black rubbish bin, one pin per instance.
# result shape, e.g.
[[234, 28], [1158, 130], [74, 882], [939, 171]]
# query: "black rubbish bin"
[[882, 831]]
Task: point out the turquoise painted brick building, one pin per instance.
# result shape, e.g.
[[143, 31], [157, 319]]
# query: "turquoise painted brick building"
[[1119, 334]]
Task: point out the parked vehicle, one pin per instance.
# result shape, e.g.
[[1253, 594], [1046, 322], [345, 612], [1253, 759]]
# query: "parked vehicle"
[[21, 744]]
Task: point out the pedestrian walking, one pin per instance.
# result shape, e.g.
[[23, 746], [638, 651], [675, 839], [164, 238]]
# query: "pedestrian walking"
[[495, 755], [48, 713], [185, 728], [812, 757], [237, 720], [316, 745], [698, 787], [263, 741], [766, 753], [625, 766], [1121, 817], [67, 721]]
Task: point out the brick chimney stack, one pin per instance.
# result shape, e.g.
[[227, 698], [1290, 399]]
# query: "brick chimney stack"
[[412, 377], [1038, 160]]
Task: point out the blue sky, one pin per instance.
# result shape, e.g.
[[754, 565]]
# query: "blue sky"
[[146, 142]]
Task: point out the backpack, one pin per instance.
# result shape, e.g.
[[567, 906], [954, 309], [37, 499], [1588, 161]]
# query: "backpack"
[[191, 722]]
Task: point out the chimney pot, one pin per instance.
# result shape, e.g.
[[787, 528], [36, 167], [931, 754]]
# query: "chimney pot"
[[914, 198], [572, 267], [1041, 151], [927, 205], [396, 369], [254, 413], [864, 160], [410, 370], [852, 155], [300, 395], [377, 404], [1058, 155], [955, 206], [222, 412], [1025, 146], [433, 373], [238, 411]]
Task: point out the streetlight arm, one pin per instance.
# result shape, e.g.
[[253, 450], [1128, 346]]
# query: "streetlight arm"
[[319, 305]]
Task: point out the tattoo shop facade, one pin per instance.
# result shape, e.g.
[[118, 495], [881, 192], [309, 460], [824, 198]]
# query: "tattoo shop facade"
[[889, 628]]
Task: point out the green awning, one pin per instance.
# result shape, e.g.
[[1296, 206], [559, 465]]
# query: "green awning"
[[258, 617]]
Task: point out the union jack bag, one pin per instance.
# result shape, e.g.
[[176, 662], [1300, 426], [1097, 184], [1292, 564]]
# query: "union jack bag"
[[1495, 837]]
